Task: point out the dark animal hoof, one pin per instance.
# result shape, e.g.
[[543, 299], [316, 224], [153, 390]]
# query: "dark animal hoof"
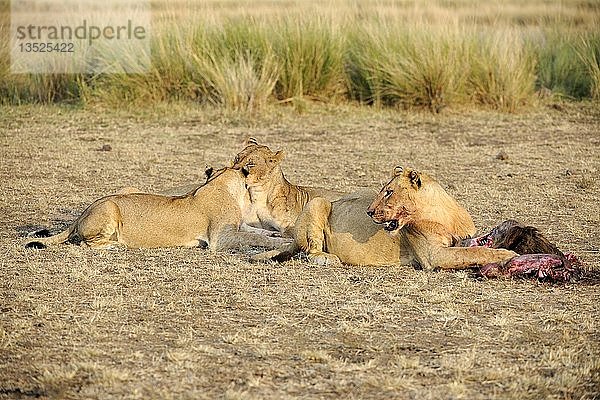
[[41, 233], [35, 245]]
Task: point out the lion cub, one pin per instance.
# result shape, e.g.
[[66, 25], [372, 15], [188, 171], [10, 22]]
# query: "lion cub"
[[212, 214]]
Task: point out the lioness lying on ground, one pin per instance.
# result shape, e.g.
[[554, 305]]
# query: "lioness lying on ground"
[[429, 223], [276, 201], [304, 213], [342, 231], [213, 215]]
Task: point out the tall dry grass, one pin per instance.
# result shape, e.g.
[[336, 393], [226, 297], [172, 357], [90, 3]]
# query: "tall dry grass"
[[588, 52], [388, 54], [310, 53], [502, 70], [407, 65]]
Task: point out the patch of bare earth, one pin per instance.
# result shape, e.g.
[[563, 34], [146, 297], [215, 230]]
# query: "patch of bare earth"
[[180, 323]]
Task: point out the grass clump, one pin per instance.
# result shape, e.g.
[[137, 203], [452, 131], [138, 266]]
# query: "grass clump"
[[238, 82], [309, 52], [502, 70], [407, 67], [558, 66], [38, 88], [233, 67], [588, 51]]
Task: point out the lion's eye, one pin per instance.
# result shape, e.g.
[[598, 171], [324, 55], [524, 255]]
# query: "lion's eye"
[[388, 193], [250, 165]]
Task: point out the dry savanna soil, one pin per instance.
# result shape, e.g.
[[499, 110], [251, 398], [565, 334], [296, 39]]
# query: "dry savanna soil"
[[78, 323]]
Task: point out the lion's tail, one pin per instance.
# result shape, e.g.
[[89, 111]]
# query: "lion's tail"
[[41, 243]]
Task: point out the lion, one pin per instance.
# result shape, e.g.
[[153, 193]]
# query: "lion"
[[212, 215], [276, 201], [302, 213], [362, 229], [429, 223]]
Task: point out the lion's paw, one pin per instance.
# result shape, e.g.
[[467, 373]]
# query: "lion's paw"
[[324, 259], [505, 255]]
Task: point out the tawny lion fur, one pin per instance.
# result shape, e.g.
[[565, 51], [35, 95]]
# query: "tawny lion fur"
[[428, 222], [276, 202], [338, 229], [212, 214]]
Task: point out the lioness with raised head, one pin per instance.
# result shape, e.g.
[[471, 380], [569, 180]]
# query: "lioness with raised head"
[[428, 223], [213, 214], [276, 201]]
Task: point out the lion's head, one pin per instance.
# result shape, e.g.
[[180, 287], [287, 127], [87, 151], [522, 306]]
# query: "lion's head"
[[257, 162], [413, 198], [397, 203]]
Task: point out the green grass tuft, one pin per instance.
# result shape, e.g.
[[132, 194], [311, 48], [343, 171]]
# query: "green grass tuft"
[[406, 66], [559, 68], [588, 50]]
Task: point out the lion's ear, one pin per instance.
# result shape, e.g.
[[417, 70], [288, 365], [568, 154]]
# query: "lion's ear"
[[208, 172], [251, 141], [415, 179], [278, 157], [398, 170]]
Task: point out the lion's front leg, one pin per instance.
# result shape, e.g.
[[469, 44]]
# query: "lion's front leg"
[[311, 230], [465, 257], [433, 251]]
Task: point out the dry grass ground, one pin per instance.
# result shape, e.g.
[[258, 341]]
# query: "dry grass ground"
[[78, 323]]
